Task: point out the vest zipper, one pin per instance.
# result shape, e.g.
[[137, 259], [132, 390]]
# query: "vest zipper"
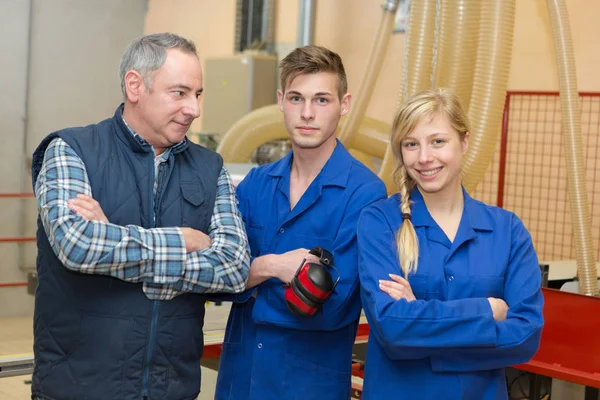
[[155, 304], [150, 349]]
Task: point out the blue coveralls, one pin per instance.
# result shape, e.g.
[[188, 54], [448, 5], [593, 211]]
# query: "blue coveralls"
[[269, 352], [446, 344]]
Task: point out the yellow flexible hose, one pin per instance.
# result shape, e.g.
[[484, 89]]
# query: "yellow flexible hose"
[[573, 143], [266, 123], [418, 67], [489, 87], [255, 128], [419, 48], [457, 47]]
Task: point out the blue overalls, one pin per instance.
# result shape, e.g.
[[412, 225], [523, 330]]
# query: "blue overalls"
[[446, 344], [268, 352]]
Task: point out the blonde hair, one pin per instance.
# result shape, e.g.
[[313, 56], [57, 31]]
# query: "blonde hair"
[[426, 104], [310, 60]]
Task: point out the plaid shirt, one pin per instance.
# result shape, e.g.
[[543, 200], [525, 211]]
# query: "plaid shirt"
[[157, 256]]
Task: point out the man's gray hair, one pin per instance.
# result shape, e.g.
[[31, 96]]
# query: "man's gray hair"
[[148, 53]]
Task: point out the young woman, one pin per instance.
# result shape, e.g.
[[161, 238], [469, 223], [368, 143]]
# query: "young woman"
[[450, 286]]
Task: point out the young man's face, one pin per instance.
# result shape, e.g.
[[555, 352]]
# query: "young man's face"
[[166, 110], [312, 109]]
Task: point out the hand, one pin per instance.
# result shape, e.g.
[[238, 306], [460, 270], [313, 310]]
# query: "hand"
[[87, 208], [499, 308], [287, 264], [398, 288], [195, 240]]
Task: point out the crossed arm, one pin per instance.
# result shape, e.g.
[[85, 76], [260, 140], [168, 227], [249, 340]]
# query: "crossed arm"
[[466, 334], [169, 261]]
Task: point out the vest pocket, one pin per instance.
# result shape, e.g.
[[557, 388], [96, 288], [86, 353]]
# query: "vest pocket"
[[194, 207], [182, 343], [101, 346]]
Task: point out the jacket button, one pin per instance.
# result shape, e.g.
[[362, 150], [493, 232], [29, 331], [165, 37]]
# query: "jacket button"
[[260, 345], [451, 278], [281, 230]]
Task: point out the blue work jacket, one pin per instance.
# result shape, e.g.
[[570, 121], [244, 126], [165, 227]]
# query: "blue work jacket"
[[446, 344], [269, 352]]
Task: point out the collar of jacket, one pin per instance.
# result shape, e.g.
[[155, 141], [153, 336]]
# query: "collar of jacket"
[[132, 141], [335, 172], [475, 212]]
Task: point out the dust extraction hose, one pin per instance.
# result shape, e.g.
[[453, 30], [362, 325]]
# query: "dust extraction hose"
[[457, 47], [418, 66], [489, 87], [573, 143], [266, 123]]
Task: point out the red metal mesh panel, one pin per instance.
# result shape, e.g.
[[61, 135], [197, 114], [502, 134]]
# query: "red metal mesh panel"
[[535, 176]]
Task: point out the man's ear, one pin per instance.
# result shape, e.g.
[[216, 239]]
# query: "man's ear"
[[345, 103], [280, 99], [134, 85]]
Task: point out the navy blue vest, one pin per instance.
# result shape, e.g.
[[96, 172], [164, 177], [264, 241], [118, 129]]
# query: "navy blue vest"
[[98, 337]]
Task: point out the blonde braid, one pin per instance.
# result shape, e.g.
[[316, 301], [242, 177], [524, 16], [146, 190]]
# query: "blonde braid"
[[406, 238]]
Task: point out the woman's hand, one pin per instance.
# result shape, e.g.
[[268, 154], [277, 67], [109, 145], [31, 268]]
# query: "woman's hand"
[[398, 288], [499, 308]]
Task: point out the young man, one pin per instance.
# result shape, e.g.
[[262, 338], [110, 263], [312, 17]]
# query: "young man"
[[312, 197], [119, 310]]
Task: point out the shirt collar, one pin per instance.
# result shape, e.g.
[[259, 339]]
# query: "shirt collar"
[[177, 148], [475, 213], [335, 172]]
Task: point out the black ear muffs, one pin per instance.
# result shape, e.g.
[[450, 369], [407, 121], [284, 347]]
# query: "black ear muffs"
[[312, 284]]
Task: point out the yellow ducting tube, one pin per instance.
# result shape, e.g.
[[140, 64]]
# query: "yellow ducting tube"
[[417, 68], [573, 144], [265, 124], [418, 63], [489, 87], [457, 47], [258, 127], [372, 137]]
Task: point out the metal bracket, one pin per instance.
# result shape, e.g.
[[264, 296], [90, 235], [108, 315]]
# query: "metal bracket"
[[16, 365]]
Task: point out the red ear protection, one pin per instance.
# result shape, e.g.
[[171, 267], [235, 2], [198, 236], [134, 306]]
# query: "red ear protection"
[[312, 284]]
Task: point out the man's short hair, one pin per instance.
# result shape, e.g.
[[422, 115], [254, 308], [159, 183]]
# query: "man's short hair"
[[148, 53], [310, 60]]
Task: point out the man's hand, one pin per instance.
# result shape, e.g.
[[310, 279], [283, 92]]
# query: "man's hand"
[[288, 263], [499, 308], [195, 240], [398, 288], [87, 208]]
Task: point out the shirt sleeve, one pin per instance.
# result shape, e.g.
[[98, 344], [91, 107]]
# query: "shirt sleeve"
[[129, 253], [518, 337], [416, 329], [243, 207], [222, 268]]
